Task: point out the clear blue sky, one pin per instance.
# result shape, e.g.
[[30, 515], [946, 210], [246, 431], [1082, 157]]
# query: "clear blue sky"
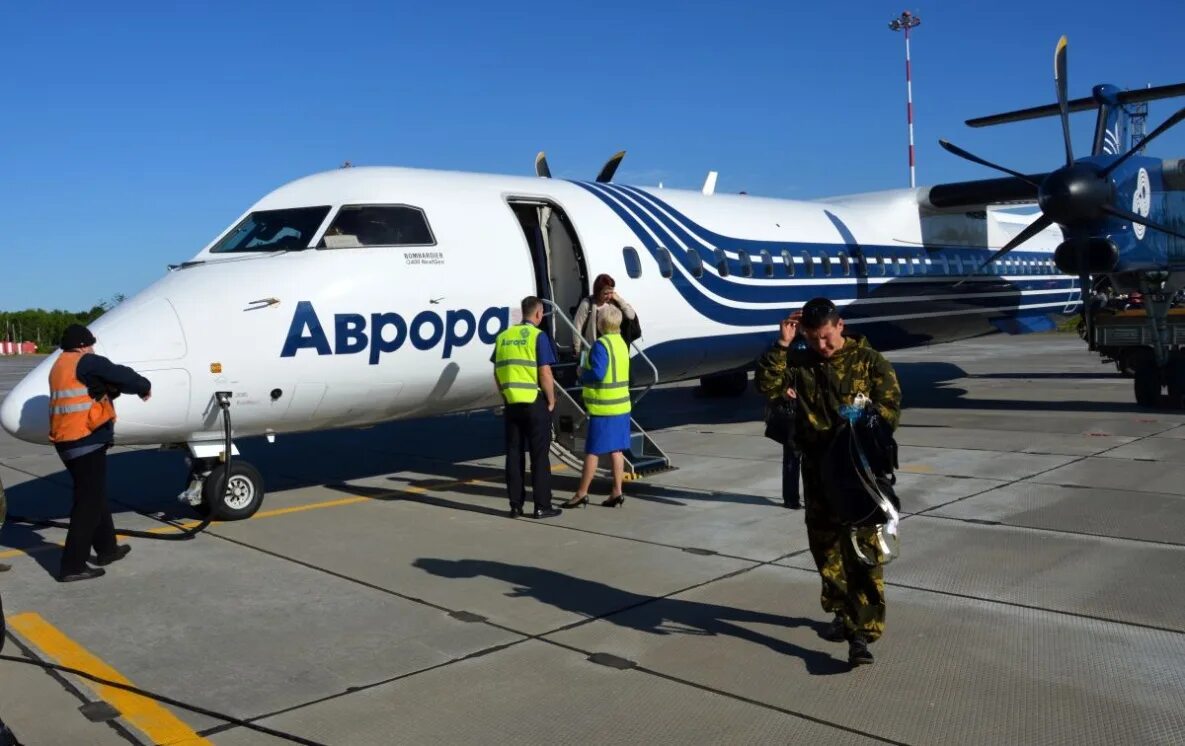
[[133, 132]]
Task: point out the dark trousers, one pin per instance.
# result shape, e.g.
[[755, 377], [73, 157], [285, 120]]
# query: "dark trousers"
[[528, 428], [791, 467], [90, 518]]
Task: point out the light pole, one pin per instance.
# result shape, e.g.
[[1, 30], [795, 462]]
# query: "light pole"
[[905, 22]]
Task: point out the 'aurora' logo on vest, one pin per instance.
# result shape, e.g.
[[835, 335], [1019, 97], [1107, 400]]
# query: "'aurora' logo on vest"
[[387, 332]]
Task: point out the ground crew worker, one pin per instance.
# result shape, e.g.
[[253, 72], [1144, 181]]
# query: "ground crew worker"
[[787, 350], [605, 375], [523, 356], [82, 427], [839, 366]]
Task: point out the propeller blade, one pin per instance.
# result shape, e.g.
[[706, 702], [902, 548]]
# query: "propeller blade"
[[1165, 126], [610, 168], [952, 148], [1119, 212], [1033, 229], [541, 169], [1059, 79]]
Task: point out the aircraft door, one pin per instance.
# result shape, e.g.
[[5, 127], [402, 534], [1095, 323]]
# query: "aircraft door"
[[560, 274]]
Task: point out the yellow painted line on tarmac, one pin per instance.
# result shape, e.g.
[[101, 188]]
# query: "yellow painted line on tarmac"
[[31, 550], [186, 525], [160, 725], [918, 469]]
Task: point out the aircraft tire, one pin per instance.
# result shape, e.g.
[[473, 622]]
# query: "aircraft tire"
[[1147, 385], [244, 492], [725, 384]]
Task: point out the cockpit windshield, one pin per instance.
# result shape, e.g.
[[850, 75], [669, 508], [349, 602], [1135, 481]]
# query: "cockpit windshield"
[[273, 230]]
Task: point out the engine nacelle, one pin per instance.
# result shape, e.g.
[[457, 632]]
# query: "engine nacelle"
[[1100, 256]]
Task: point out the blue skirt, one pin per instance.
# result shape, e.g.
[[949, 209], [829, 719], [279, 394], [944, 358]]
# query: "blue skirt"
[[608, 434]]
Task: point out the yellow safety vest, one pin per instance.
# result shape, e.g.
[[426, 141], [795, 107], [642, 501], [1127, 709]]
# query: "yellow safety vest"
[[612, 395], [515, 364]]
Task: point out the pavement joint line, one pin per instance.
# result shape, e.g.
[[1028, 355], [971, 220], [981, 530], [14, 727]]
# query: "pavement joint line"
[[1017, 604], [150, 718], [1034, 476], [1043, 529], [71, 688]]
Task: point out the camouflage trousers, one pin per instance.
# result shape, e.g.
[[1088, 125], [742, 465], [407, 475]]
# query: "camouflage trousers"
[[852, 590]]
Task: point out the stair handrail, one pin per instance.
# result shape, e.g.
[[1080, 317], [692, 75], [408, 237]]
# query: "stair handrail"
[[559, 313]]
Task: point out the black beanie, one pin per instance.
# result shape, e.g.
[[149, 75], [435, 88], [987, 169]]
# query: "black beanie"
[[75, 336]]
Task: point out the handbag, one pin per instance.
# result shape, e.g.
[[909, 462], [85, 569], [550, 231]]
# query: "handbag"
[[779, 420]]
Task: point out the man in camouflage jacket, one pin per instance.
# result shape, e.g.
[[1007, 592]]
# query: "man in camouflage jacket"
[[838, 366]]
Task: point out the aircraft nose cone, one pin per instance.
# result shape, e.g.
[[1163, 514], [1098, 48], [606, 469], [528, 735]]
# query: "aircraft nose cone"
[[24, 413]]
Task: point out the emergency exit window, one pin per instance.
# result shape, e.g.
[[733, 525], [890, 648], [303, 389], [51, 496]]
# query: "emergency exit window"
[[357, 226]]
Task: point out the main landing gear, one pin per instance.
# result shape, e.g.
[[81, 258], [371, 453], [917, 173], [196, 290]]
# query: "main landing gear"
[[1149, 345]]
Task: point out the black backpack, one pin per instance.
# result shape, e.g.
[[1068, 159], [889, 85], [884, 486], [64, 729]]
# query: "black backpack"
[[858, 470]]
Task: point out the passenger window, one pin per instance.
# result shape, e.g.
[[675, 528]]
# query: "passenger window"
[[664, 262], [273, 230], [721, 263], [861, 264], [844, 265], [958, 264], [697, 263], [746, 265], [633, 265], [825, 263], [808, 265], [788, 260], [767, 263], [356, 226]]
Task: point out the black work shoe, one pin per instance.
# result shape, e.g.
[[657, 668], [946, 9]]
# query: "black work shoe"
[[516, 511], [120, 552], [85, 574], [858, 652], [547, 512], [792, 504], [835, 631]]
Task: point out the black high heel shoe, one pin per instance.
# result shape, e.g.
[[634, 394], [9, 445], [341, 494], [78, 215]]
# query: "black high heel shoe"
[[576, 501], [614, 501]]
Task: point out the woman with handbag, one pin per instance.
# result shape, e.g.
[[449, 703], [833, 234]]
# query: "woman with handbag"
[[779, 412], [604, 294]]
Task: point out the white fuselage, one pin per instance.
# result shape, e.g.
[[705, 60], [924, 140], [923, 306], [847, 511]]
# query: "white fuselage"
[[321, 338]]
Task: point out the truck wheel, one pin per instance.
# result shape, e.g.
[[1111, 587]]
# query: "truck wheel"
[[1175, 376], [1148, 385]]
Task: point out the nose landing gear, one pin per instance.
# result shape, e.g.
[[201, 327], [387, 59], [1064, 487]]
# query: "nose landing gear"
[[222, 488]]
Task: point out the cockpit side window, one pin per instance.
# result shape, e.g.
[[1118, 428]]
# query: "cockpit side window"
[[356, 226], [273, 230]]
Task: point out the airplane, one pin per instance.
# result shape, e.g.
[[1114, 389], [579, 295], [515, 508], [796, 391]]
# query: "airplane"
[[366, 294]]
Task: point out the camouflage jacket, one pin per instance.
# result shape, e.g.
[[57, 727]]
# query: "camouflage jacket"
[[824, 385]]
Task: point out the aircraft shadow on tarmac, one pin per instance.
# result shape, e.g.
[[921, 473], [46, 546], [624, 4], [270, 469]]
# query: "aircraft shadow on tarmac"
[[656, 616]]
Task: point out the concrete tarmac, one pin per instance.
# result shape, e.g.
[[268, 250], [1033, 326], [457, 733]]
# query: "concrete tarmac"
[[381, 595]]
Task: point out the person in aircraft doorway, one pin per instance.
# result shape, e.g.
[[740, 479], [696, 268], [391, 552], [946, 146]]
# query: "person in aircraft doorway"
[[82, 388], [523, 356], [606, 378], [604, 295]]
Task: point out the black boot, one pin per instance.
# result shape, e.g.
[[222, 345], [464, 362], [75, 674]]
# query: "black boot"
[[836, 631], [858, 652]]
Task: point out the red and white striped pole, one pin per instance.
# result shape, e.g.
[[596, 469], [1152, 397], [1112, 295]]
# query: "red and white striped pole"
[[905, 22]]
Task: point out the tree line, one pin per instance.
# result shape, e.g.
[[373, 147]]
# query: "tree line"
[[45, 327]]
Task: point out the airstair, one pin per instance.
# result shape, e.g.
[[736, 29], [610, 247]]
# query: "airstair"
[[570, 420]]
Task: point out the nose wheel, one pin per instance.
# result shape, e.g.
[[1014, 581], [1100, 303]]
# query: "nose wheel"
[[215, 494]]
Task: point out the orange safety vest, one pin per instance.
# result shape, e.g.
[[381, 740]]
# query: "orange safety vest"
[[73, 414]]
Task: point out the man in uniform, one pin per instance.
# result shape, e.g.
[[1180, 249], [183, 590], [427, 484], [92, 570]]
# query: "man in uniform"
[[82, 428], [523, 356], [839, 366]]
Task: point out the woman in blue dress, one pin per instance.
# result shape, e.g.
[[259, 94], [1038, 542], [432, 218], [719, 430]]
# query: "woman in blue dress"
[[606, 379]]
